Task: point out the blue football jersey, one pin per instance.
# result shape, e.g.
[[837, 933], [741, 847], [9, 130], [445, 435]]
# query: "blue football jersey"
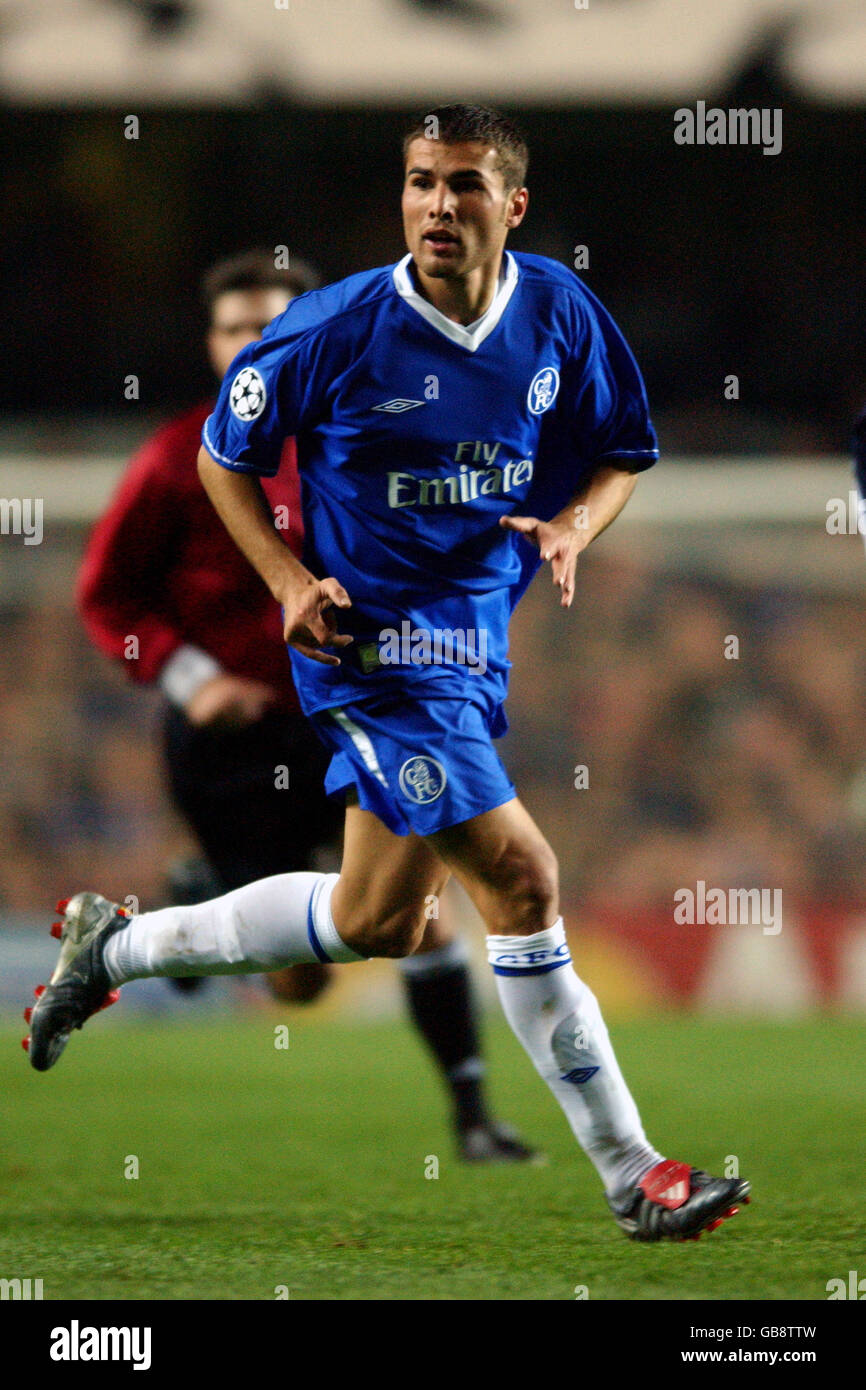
[[414, 436]]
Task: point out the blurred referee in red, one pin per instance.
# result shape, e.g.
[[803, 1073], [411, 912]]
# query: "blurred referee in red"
[[161, 567]]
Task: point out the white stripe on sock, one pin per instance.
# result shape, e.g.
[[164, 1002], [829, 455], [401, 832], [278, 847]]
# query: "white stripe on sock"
[[329, 938]]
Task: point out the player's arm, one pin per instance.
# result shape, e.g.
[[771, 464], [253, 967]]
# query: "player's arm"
[[589, 512], [607, 409], [308, 625], [121, 590], [118, 588]]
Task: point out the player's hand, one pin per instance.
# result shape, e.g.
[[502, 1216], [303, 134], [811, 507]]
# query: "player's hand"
[[229, 702], [559, 544], [310, 625]]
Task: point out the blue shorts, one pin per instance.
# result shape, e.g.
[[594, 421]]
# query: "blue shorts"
[[419, 765]]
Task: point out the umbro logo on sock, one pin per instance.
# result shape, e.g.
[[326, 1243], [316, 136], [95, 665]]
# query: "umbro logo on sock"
[[578, 1075]]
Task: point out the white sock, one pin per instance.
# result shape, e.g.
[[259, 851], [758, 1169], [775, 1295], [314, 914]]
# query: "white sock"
[[278, 921], [557, 1018]]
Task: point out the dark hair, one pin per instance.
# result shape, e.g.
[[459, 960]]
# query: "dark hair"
[[256, 270], [452, 124]]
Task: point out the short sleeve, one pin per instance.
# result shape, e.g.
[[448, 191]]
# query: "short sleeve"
[[611, 421], [264, 398]]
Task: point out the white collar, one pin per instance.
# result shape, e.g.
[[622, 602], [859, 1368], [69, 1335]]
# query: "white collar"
[[472, 335]]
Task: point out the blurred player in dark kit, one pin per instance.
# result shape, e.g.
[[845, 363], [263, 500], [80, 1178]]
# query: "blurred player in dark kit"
[[243, 766]]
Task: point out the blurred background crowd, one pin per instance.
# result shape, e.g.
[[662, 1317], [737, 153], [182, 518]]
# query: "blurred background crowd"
[[746, 770], [741, 770]]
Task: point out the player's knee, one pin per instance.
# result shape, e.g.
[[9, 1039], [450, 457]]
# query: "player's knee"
[[300, 984], [538, 888], [391, 935], [529, 890]]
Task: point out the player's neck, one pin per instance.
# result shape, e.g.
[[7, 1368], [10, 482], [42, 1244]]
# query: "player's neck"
[[461, 300]]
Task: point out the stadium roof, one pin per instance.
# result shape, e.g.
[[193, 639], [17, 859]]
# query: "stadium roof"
[[233, 52]]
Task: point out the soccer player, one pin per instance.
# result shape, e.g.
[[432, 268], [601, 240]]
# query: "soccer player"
[[461, 418], [160, 566]]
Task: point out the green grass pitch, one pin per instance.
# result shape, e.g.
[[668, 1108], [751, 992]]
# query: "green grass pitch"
[[302, 1169]]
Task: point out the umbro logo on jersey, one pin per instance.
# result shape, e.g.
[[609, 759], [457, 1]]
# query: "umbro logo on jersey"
[[398, 405]]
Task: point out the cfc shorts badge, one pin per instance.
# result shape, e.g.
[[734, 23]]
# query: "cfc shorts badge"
[[422, 780], [375, 745]]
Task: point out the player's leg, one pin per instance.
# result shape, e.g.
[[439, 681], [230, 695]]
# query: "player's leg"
[[386, 881], [510, 873], [188, 764], [191, 878], [438, 987], [262, 926], [250, 822], [387, 902], [253, 828], [285, 919], [289, 917], [307, 831], [440, 996]]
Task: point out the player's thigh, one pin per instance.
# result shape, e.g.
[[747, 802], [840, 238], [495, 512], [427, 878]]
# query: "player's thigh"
[[506, 866], [440, 924], [386, 883]]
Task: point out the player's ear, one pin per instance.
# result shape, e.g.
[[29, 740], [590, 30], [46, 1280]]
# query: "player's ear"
[[518, 202]]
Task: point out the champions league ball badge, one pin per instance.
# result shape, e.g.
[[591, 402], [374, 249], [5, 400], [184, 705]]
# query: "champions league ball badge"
[[247, 395]]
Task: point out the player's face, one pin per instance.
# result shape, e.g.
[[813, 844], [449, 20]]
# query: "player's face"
[[456, 209], [240, 317]]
